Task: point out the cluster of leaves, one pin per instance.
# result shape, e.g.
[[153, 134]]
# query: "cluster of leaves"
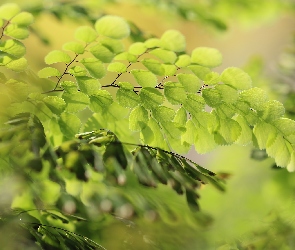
[[14, 28], [170, 79]]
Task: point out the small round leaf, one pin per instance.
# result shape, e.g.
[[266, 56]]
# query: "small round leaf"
[[112, 26]]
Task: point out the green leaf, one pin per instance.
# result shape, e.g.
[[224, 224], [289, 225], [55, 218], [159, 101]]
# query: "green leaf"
[[272, 110], [224, 110], [204, 141], [23, 19], [144, 78], [280, 151], [255, 97], [77, 71], [85, 34], [159, 140], [212, 78], [75, 101], [154, 66], [102, 53], [174, 92], [181, 117], [183, 61], [264, 133], [207, 57], [55, 104], [212, 97], [56, 56], [165, 55], [230, 130], [115, 112], [48, 72], [126, 56], [112, 26], [285, 126], [116, 46], [9, 10], [163, 114], [75, 47], [236, 78], [100, 101], [191, 83], [117, 67], [194, 104], [69, 86], [13, 47], [170, 69], [126, 85], [17, 65], [88, 85], [173, 40], [152, 43], [16, 32], [228, 94], [138, 118], [69, 125], [137, 48], [245, 137], [151, 98], [127, 98], [190, 133], [94, 66], [200, 71]]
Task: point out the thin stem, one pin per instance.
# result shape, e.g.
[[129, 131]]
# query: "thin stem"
[[3, 28], [65, 71]]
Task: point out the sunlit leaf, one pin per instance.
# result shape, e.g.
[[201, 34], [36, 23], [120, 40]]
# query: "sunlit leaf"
[[85, 34], [236, 78], [165, 55], [152, 43], [75, 101], [207, 57], [138, 118], [17, 65], [13, 47], [127, 98], [16, 32], [94, 66], [88, 85], [174, 92], [56, 56], [137, 48], [69, 125], [75, 47], [154, 66], [23, 19], [144, 78], [9, 10], [200, 71], [117, 67], [191, 83], [55, 103], [126, 56], [151, 98], [102, 53], [173, 40], [112, 26], [48, 72], [77, 71], [183, 61], [100, 101]]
